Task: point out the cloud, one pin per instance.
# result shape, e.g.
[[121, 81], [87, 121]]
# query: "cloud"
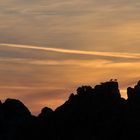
[[78, 52], [109, 29], [40, 83]]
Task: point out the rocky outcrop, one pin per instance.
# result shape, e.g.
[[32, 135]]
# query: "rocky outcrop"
[[13, 108], [92, 113], [46, 114]]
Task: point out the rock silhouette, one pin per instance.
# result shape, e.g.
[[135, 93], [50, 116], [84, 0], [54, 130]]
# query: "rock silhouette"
[[91, 114]]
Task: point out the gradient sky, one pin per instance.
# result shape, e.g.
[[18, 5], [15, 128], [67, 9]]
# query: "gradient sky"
[[49, 48]]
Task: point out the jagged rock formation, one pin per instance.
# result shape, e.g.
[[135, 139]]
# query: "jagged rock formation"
[[46, 113], [91, 114]]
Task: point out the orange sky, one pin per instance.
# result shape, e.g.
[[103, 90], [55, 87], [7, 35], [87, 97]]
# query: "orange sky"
[[49, 48]]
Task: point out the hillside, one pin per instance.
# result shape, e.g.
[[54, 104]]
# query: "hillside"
[[93, 113]]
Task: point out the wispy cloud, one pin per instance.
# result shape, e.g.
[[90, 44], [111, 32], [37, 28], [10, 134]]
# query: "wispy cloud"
[[79, 52], [61, 31]]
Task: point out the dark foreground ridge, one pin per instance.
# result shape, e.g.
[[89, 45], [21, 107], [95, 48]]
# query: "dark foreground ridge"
[[97, 113]]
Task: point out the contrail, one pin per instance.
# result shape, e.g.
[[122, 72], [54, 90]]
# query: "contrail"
[[79, 52]]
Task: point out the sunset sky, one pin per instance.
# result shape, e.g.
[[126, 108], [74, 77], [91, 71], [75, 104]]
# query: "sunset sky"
[[50, 47]]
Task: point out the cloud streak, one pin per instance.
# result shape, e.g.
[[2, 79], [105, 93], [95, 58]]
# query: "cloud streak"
[[78, 52]]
